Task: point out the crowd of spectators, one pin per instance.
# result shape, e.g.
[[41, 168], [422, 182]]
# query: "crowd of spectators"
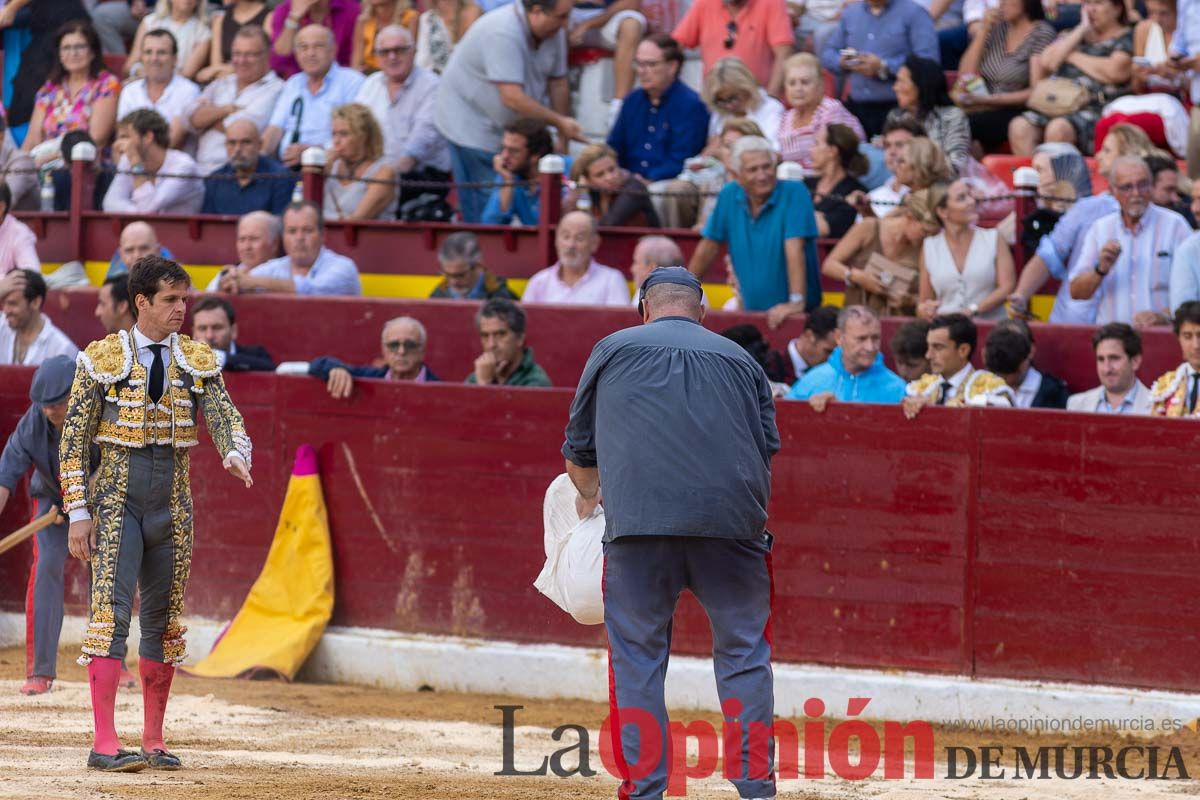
[[828, 120]]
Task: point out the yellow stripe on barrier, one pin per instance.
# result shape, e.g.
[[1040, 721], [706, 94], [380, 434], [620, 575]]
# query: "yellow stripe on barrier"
[[415, 287]]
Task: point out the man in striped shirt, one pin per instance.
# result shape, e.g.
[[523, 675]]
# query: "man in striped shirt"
[[1124, 267]]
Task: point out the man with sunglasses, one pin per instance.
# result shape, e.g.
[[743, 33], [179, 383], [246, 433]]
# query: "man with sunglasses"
[[403, 350], [401, 96], [1124, 267]]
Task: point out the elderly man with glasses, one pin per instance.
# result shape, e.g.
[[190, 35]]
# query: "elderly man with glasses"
[[464, 276], [403, 351], [401, 97], [1124, 268]]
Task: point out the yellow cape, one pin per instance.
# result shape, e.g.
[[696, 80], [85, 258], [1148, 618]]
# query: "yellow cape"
[[289, 605]]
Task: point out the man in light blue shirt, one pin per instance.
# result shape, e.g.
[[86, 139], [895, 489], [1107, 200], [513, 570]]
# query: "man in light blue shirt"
[[882, 34], [1125, 259], [308, 267], [1185, 54], [854, 372], [301, 118]]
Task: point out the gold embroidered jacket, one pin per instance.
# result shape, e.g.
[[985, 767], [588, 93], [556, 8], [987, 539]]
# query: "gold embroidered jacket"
[[980, 388], [1169, 395], [109, 405]]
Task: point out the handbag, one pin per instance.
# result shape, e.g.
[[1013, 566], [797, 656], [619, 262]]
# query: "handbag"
[[899, 280], [1058, 97]]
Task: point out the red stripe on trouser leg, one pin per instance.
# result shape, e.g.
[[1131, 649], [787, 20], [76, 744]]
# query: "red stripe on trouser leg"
[[29, 611], [156, 688], [770, 601], [614, 719], [103, 676]]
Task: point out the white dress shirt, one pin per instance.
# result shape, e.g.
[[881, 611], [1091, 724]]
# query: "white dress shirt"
[[1140, 278], [50, 342], [145, 356], [162, 195], [799, 365], [255, 103], [175, 102]]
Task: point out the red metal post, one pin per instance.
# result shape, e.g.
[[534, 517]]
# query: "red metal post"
[[312, 174], [83, 185], [550, 171]]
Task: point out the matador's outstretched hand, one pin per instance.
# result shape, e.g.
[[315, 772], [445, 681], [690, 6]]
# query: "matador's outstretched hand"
[[237, 467]]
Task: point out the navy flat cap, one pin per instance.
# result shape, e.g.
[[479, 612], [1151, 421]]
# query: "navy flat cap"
[[52, 381], [677, 275]]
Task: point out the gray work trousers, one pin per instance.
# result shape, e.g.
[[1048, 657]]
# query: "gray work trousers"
[[643, 578], [44, 600], [146, 556]]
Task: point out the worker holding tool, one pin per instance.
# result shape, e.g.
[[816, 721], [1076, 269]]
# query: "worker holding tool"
[[34, 443]]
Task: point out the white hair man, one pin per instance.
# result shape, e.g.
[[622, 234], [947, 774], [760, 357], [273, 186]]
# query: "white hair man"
[[1124, 265], [770, 229], [402, 344], [401, 96]]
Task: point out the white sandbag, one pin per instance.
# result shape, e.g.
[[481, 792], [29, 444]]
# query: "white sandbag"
[[574, 554]]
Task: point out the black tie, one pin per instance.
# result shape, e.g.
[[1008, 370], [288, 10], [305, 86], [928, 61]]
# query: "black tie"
[[945, 395], [1195, 391], [157, 373]]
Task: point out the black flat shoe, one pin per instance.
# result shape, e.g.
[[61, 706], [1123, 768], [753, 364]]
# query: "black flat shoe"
[[123, 761], [161, 759]]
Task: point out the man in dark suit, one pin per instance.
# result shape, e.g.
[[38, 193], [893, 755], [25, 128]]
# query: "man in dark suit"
[[1009, 353], [214, 322], [403, 349]]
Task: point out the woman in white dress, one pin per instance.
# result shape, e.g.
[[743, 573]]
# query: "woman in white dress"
[[964, 269]]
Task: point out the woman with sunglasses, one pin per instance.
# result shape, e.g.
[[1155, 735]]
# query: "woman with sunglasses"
[[731, 92]]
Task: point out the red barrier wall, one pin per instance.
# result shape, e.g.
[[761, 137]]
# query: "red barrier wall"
[[1037, 545], [300, 329]]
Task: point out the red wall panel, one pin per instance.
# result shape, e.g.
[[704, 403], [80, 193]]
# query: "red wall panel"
[[1034, 545]]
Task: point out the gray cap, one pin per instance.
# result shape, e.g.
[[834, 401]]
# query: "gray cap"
[[679, 275], [52, 381]]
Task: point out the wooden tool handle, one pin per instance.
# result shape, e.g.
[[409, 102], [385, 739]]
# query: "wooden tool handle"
[[21, 534]]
